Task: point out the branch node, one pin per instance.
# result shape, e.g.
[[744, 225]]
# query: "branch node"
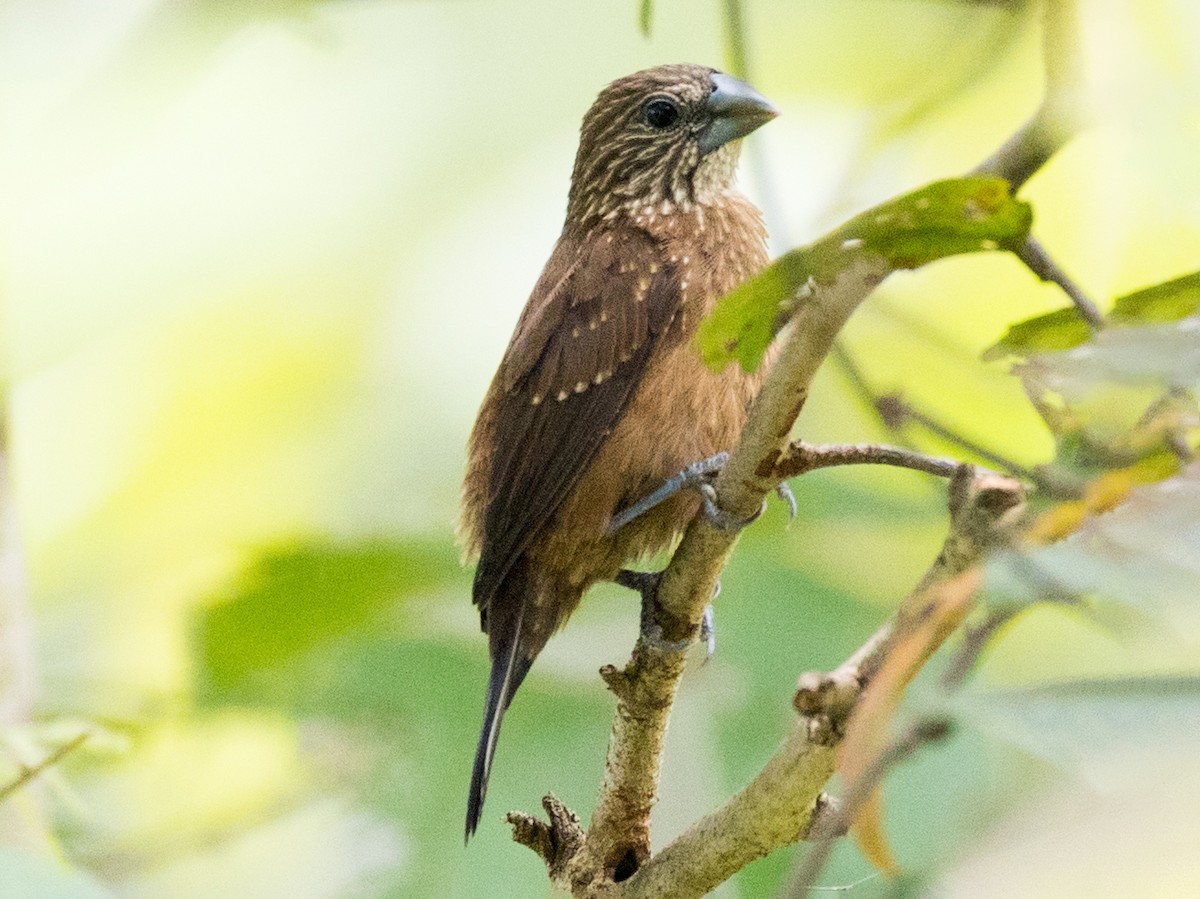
[[556, 842], [893, 410], [821, 730], [831, 695], [616, 680]]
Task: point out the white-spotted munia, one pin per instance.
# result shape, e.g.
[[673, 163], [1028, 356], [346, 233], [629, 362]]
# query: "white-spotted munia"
[[601, 396]]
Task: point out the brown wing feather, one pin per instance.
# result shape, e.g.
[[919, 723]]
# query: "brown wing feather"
[[575, 360]]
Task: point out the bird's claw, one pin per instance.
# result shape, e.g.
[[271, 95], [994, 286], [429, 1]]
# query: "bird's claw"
[[696, 475], [784, 492], [708, 634], [721, 519]]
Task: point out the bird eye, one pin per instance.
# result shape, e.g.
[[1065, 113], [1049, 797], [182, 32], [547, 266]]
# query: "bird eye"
[[660, 113]]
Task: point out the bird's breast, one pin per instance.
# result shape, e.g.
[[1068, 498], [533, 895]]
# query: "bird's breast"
[[681, 411]]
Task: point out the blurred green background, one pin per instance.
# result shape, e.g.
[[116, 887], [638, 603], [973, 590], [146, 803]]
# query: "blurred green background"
[[261, 259]]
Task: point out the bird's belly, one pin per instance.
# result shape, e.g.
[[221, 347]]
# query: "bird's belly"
[[681, 413]]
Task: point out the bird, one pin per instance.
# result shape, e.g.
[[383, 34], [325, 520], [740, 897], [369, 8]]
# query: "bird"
[[601, 395]]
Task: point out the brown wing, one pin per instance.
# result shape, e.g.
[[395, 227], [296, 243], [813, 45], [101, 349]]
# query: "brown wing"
[[574, 362]]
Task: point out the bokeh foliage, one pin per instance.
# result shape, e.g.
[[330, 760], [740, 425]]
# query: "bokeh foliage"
[[261, 260]]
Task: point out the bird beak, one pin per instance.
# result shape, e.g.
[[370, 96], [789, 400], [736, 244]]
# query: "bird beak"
[[736, 109]]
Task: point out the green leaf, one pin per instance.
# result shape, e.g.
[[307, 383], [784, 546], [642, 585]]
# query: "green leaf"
[[294, 599], [645, 14], [1165, 302], [1061, 329], [942, 219]]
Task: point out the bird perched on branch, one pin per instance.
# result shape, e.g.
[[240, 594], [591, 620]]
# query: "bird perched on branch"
[[601, 396]]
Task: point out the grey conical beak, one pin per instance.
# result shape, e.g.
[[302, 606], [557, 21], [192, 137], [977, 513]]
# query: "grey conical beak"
[[736, 109]]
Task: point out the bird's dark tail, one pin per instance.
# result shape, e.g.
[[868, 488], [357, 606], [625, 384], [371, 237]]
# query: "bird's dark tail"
[[510, 663]]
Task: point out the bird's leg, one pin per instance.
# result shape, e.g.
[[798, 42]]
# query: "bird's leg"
[[698, 476], [644, 582], [694, 476]]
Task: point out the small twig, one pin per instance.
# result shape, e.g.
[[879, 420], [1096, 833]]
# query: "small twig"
[[828, 827], [985, 508], [1023, 154], [845, 887], [803, 457], [1038, 261], [975, 639], [29, 773]]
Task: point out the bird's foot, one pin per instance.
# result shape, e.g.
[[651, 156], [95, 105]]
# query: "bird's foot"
[[646, 583], [695, 476], [723, 521], [718, 517], [699, 476]]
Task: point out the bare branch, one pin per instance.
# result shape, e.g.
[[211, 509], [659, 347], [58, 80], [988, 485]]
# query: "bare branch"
[[770, 812], [1038, 261], [802, 457], [779, 804], [985, 510]]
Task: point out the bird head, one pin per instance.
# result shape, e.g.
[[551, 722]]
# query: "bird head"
[[664, 138]]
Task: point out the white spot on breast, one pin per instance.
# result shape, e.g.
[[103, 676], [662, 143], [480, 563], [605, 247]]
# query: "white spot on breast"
[[562, 395], [592, 325], [852, 244], [574, 332], [580, 386], [537, 400]]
